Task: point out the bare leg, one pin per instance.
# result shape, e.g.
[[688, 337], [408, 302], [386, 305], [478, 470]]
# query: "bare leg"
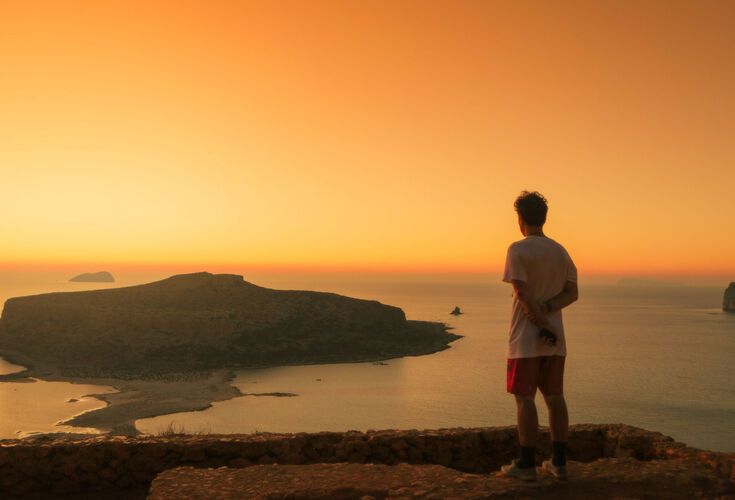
[[558, 417], [527, 421]]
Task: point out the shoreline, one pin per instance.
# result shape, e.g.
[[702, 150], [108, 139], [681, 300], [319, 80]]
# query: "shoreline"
[[137, 398]]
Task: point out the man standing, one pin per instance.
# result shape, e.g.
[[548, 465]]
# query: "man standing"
[[544, 281]]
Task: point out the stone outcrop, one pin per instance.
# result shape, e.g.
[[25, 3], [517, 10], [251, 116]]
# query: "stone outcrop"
[[728, 300], [201, 321], [100, 277], [54, 466], [456, 311], [603, 478]]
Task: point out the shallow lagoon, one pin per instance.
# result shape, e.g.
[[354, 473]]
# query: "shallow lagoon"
[[38, 406]]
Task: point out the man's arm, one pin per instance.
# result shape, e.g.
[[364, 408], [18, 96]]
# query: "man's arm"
[[532, 307], [569, 295]]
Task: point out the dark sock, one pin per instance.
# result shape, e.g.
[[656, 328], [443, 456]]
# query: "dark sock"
[[559, 453], [527, 457]]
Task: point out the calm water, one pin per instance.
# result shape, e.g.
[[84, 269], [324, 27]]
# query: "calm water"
[[37, 406], [657, 357]]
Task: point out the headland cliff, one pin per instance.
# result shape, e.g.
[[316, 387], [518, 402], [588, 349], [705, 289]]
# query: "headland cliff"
[[201, 321]]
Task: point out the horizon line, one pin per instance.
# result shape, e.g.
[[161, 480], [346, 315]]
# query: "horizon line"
[[230, 268]]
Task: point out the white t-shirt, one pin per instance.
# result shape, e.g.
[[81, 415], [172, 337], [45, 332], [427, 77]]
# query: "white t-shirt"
[[545, 266]]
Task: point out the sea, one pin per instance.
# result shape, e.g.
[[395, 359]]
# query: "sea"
[[656, 355]]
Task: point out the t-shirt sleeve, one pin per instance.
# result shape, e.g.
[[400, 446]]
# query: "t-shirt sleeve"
[[571, 270], [514, 268]]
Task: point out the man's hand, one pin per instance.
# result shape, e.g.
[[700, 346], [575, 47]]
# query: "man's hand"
[[548, 336], [539, 318], [534, 309], [544, 309]]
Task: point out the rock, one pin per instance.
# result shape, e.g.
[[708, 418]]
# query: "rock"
[[603, 478], [728, 300], [108, 474], [456, 311], [239, 463], [444, 463], [100, 277], [200, 322]]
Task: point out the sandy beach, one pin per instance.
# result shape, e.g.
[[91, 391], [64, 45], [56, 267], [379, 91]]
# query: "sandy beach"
[[147, 398], [143, 398], [136, 398]]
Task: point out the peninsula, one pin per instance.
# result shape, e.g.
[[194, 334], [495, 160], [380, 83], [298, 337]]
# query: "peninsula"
[[171, 345]]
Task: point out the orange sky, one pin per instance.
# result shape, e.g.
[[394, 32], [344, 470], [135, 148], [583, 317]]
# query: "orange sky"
[[377, 134]]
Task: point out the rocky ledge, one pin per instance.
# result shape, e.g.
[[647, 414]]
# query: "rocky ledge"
[[604, 478], [607, 460]]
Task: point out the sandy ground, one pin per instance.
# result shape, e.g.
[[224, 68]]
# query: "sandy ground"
[[149, 398], [137, 399]]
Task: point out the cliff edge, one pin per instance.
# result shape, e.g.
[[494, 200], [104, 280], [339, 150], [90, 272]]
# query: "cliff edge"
[[606, 461]]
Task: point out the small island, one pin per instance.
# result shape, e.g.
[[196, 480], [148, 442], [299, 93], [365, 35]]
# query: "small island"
[[172, 345], [100, 277], [728, 300]]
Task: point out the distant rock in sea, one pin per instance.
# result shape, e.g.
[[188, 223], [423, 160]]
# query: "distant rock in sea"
[[100, 277], [728, 300], [456, 311], [200, 322]]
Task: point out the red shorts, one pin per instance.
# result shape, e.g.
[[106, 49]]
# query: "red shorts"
[[544, 372]]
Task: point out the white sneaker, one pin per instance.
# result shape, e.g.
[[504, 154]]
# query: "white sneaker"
[[513, 470], [559, 472]]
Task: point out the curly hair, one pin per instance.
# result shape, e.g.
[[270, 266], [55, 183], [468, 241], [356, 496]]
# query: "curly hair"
[[532, 208]]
